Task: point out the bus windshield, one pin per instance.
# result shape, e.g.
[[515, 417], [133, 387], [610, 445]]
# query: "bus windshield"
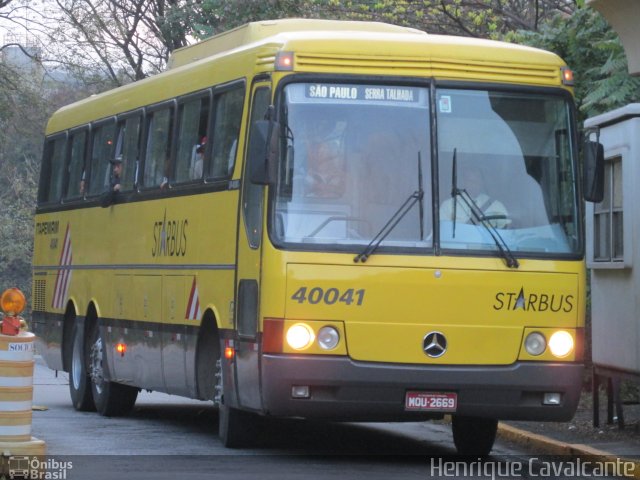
[[353, 154]]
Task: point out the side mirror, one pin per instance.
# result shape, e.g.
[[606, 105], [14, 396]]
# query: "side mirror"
[[593, 172], [263, 152]]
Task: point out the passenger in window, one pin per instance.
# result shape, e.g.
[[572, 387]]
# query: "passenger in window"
[[164, 183], [114, 181], [116, 173], [83, 183], [472, 180], [196, 168]]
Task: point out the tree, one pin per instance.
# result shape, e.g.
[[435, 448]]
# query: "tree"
[[20, 140], [590, 47], [117, 40], [477, 18]]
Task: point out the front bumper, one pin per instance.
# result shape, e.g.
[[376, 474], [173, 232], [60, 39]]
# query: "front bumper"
[[342, 389]]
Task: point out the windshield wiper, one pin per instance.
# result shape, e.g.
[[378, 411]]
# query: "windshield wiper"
[[399, 214], [478, 214]]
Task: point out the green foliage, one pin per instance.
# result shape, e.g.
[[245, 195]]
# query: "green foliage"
[[204, 18], [25, 105], [21, 121], [592, 49], [478, 18]]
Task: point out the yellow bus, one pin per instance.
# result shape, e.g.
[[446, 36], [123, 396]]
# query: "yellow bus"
[[321, 219]]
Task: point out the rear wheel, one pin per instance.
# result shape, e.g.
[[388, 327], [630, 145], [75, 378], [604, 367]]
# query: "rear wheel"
[[111, 399], [474, 436], [79, 381]]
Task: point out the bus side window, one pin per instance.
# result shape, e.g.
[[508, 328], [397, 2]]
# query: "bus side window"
[[228, 116], [77, 147], [128, 147], [101, 153], [52, 170], [158, 170], [192, 133]]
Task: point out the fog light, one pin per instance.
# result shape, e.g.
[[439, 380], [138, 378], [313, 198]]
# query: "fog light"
[[300, 336], [561, 344], [300, 391], [328, 338], [551, 399], [535, 343]]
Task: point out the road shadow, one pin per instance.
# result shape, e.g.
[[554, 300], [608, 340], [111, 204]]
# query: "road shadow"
[[302, 437]]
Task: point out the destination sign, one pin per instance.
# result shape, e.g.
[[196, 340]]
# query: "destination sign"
[[378, 93]]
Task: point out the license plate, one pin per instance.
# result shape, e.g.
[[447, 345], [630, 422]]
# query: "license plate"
[[431, 401]]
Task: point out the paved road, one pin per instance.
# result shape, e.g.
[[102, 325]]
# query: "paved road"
[[171, 437]]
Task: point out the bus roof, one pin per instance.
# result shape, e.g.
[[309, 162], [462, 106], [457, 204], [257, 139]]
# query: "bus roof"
[[326, 46], [256, 31]]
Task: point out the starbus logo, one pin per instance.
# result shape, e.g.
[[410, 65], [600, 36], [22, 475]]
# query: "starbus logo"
[[169, 237], [534, 301]]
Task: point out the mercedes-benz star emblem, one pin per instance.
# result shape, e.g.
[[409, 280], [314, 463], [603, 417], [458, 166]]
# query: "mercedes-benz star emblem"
[[434, 344]]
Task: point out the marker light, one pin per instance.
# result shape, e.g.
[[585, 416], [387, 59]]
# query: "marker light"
[[561, 344], [535, 344], [328, 338], [12, 302], [229, 353], [273, 335], [300, 336], [121, 348], [567, 76], [229, 349], [284, 61]]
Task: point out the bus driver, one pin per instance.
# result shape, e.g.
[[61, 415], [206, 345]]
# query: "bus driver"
[[473, 182]]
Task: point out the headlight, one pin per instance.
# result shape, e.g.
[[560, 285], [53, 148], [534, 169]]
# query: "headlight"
[[535, 344], [561, 344], [328, 338], [300, 336]]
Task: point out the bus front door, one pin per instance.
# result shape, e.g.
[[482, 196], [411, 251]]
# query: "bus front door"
[[248, 276]]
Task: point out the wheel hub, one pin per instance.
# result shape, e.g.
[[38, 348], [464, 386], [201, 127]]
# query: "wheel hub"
[[95, 364]]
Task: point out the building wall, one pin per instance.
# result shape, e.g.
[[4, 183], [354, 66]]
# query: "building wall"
[[623, 16], [615, 286]]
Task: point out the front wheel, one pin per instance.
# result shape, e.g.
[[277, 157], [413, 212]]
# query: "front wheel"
[[236, 428], [111, 399], [474, 436]]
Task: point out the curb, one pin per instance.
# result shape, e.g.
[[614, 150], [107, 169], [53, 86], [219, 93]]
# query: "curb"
[[549, 446]]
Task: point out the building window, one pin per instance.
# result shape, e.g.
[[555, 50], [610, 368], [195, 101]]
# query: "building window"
[[608, 243]]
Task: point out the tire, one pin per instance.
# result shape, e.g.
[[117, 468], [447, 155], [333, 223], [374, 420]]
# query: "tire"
[[111, 399], [207, 354], [236, 428], [474, 436], [79, 381]]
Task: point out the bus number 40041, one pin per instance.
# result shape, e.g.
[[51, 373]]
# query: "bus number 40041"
[[329, 296]]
